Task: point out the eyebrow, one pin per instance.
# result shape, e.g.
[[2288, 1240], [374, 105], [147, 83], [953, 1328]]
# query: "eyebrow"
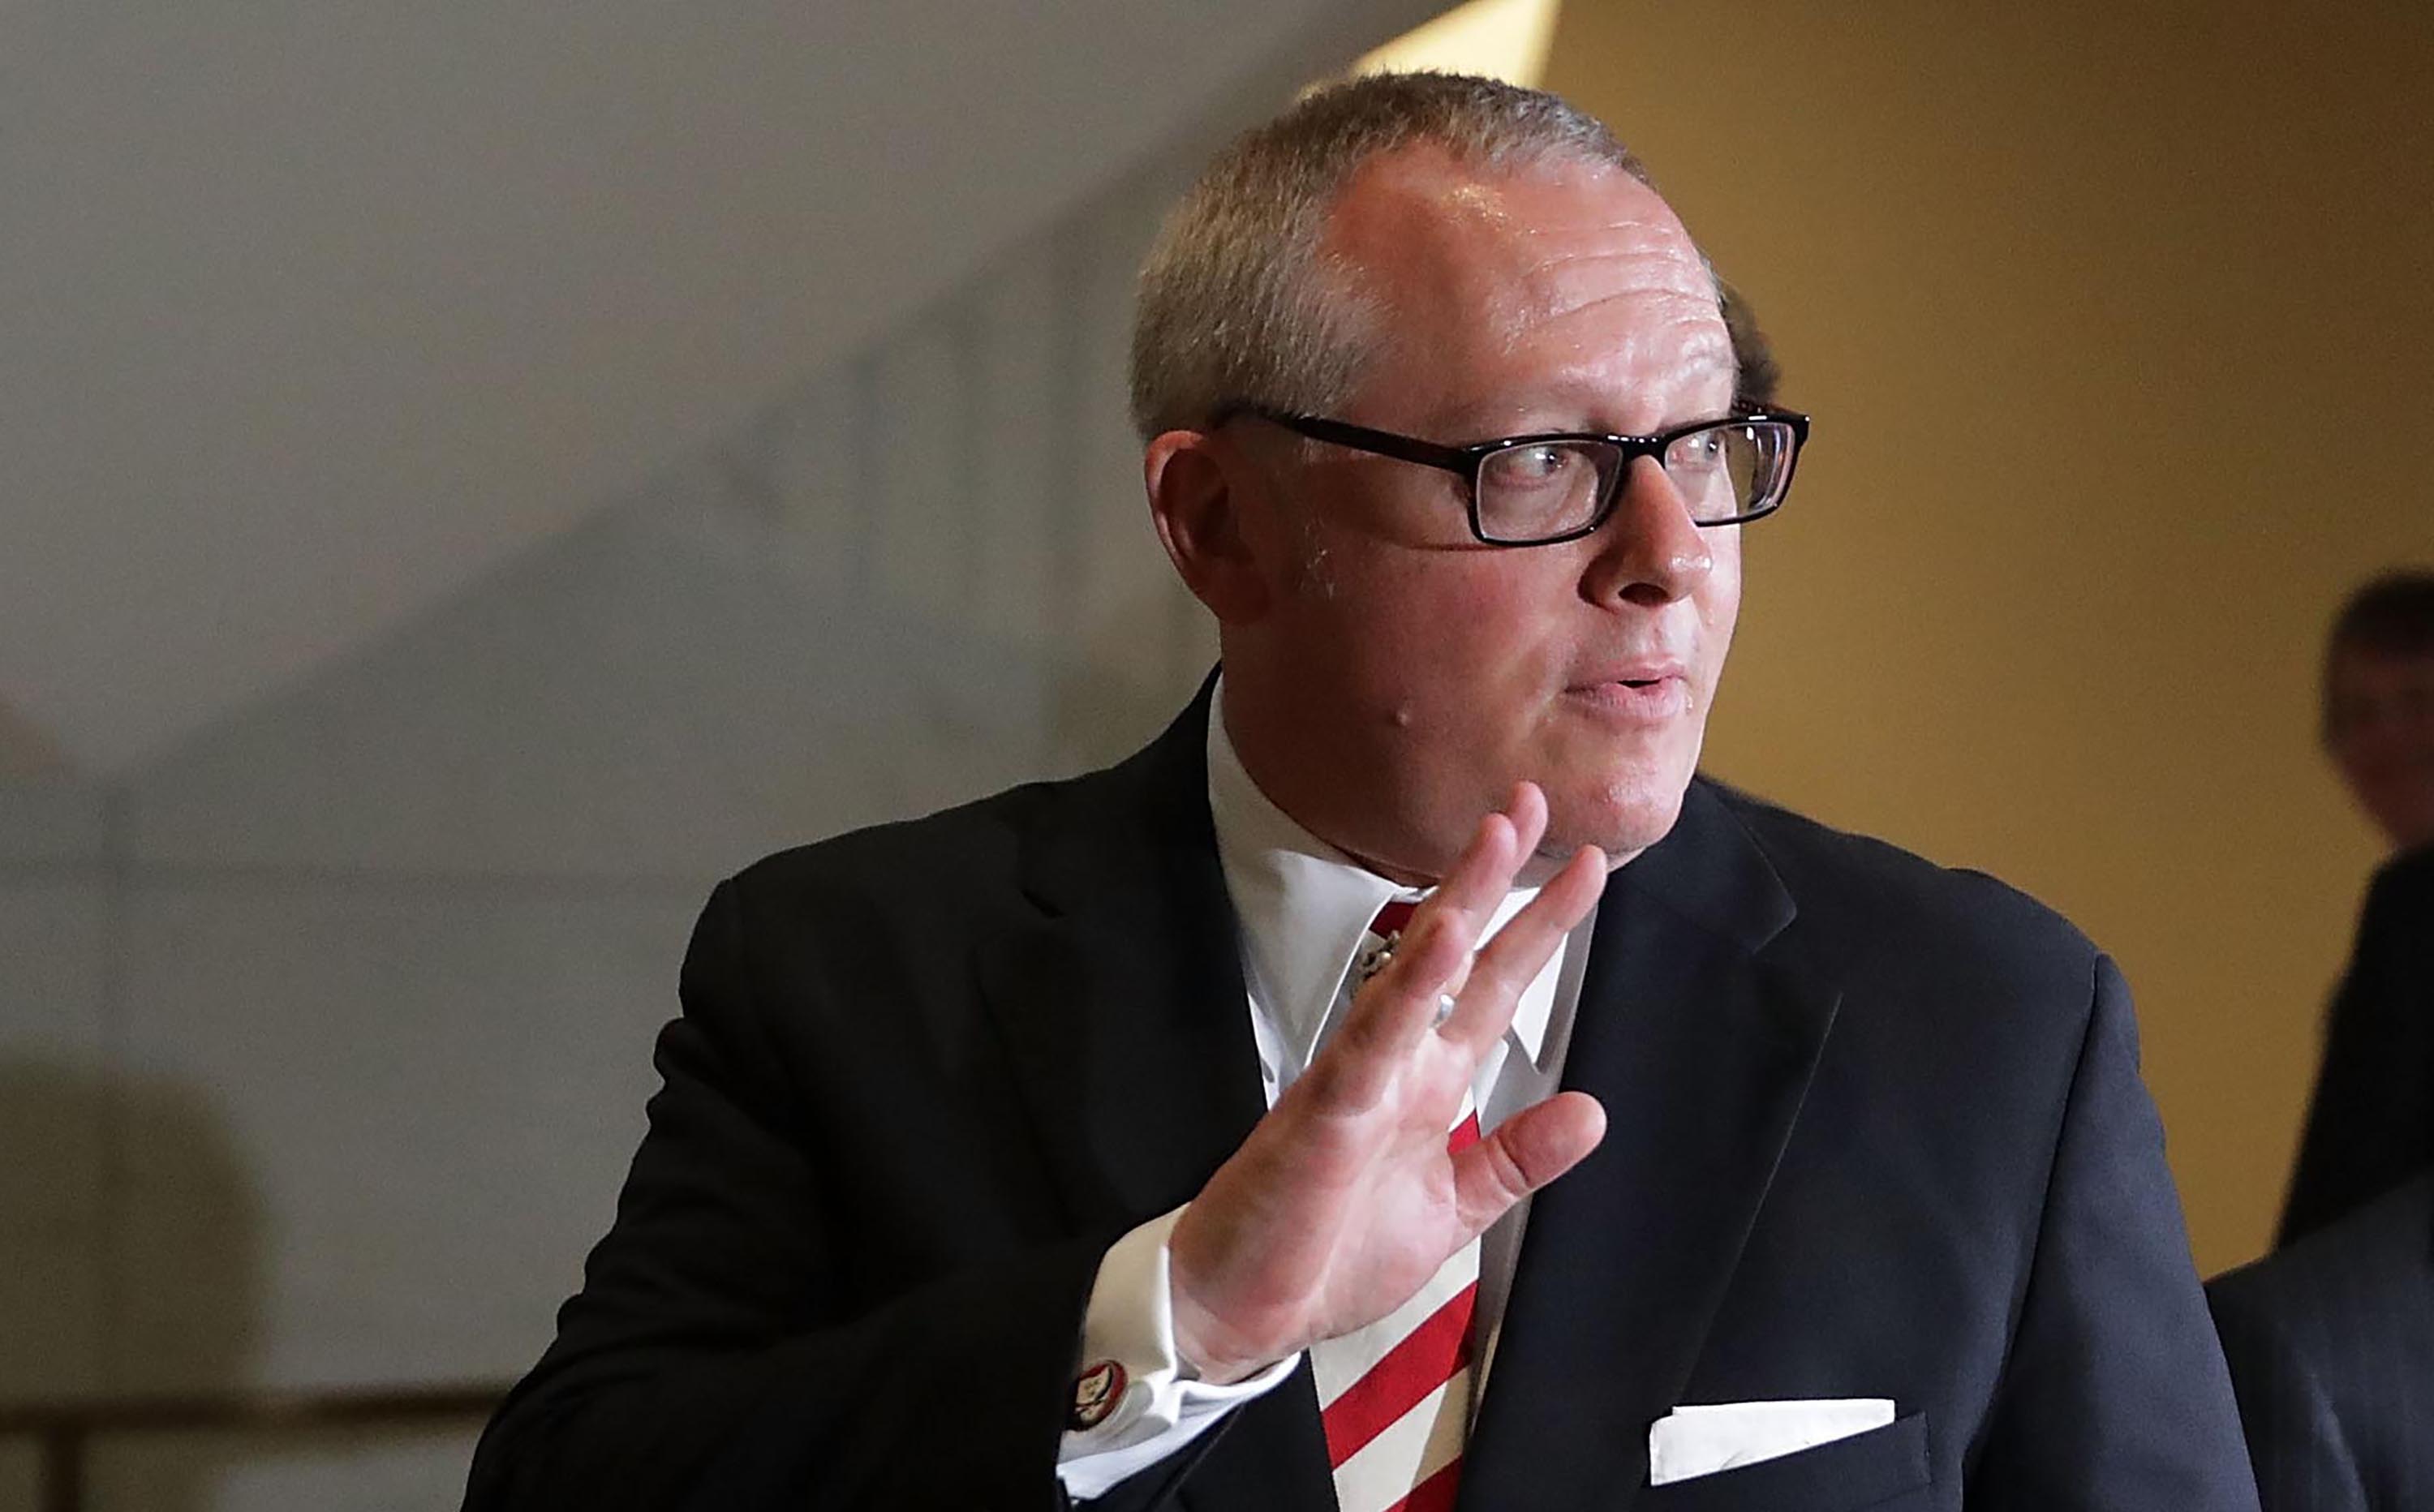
[[1576, 403]]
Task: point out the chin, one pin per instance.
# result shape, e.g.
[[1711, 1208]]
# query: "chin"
[[1623, 820]]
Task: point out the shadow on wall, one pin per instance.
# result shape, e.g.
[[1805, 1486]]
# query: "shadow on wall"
[[130, 1241], [1097, 715]]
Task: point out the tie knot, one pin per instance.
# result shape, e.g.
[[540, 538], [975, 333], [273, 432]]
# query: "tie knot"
[[1392, 918], [1386, 929]]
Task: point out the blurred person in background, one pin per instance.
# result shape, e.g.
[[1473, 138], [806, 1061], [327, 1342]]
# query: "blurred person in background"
[[2330, 1338], [2370, 1122]]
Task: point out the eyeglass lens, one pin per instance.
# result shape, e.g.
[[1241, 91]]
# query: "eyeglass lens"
[[1537, 490]]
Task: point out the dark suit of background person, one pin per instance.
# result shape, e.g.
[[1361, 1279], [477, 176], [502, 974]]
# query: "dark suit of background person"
[[1877, 1132], [2331, 1345], [2370, 1120]]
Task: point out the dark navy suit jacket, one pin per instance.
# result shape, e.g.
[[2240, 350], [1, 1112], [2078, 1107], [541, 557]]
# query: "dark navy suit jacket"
[[2331, 1342], [1875, 1131], [2370, 1121]]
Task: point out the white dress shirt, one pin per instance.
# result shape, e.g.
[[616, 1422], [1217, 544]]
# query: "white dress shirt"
[[1303, 907]]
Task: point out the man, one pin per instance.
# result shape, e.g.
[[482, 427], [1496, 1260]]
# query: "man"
[[1123, 1141], [2379, 703], [2331, 1344], [2370, 1120]]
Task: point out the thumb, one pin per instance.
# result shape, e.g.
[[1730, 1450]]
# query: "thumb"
[[1527, 1151]]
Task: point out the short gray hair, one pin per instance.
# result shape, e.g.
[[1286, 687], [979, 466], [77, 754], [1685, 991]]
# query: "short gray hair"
[[1237, 304]]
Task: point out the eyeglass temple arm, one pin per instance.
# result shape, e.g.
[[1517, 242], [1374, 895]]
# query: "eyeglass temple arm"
[[1362, 438]]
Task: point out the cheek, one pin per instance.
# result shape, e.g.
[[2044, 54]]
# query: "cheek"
[[1718, 603], [1457, 614], [1720, 596]]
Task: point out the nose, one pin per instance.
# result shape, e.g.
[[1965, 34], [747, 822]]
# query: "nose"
[[1649, 552]]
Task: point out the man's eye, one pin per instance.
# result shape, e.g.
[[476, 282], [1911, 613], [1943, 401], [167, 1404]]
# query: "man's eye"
[[1705, 449], [1526, 466]]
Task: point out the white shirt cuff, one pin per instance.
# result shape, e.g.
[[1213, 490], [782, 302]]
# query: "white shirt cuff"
[[1161, 1406]]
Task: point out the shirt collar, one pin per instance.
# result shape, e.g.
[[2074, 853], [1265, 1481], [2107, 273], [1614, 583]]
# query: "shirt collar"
[[1304, 906]]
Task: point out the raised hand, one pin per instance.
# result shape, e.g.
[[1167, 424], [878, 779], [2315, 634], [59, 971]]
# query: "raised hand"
[[1344, 1201]]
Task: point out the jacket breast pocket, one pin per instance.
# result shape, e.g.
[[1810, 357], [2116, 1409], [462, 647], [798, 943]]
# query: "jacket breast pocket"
[[1883, 1470]]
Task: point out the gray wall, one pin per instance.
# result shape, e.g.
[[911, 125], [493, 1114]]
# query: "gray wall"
[[324, 1039], [319, 308]]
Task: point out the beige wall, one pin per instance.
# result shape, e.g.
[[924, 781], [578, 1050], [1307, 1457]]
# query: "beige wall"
[[2119, 331]]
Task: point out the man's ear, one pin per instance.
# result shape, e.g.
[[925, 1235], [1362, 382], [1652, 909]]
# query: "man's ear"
[[1200, 491]]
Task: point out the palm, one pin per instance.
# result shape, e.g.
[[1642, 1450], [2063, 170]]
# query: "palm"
[[1344, 1200]]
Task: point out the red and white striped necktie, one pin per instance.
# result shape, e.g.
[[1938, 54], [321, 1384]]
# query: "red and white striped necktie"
[[1395, 1397]]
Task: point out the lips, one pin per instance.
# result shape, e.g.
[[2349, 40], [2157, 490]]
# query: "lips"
[[1634, 675], [1638, 693]]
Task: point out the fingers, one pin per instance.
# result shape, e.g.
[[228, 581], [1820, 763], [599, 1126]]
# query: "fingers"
[[1434, 953], [1526, 1151], [1435, 957], [1483, 874], [1397, 1008], [1521, 949]]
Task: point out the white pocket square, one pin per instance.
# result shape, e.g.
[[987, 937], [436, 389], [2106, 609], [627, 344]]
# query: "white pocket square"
[[1693, 1441]]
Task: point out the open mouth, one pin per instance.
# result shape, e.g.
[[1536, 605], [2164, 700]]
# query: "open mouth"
[[1654, 697]]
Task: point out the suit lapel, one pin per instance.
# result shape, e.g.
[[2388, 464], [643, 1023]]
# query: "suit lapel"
[[1121, 997], [1701, 1046], [1122, 1004]]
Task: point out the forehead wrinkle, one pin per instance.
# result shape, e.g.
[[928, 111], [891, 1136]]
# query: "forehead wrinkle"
[[1652, 308], [1656, 261], [1678, 327], [1643, 264]]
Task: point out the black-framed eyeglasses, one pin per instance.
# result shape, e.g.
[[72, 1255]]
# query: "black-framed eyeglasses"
[[1559, 486]]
